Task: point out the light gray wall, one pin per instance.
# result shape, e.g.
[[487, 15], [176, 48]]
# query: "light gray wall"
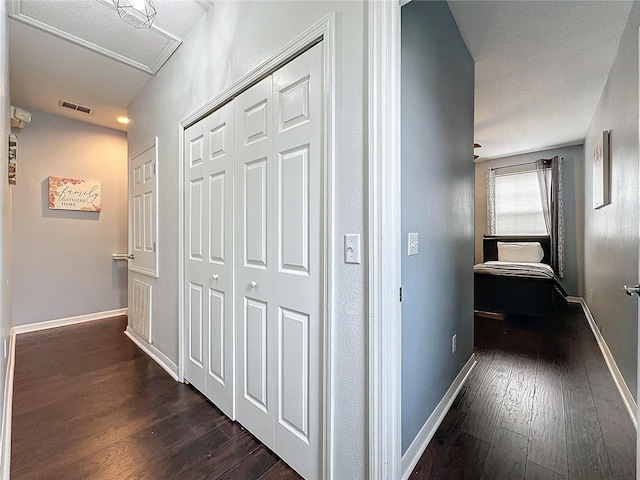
[[5, 198], [611, 233], [437, 202], [232, 39], [573, 195], [62, 259]]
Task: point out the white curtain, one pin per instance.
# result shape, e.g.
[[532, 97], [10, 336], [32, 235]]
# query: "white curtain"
[[550, 182], [491, 201]]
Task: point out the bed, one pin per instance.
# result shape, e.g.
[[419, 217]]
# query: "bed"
[[518, 288]]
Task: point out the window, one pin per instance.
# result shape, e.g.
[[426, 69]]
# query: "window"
[[518, 205]]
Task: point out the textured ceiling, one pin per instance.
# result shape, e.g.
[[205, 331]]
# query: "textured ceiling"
[[540, 69], [81, 52]]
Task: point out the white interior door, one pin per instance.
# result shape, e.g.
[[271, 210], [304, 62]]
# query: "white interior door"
[[209, 258], [143, 211]]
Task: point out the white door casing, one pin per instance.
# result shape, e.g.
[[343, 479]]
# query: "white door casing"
[[143, 211], [209, 257]]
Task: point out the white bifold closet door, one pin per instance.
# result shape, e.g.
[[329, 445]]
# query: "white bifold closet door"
[[270, 135], [209, 266], [279, 252]]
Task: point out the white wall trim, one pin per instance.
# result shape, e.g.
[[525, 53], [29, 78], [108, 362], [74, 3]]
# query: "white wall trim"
[[159, 357], [384, 187], [428, 430], [63, 322], [323, 32], [625, 393], [5, 442]]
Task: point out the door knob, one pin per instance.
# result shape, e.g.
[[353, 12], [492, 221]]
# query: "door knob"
[[215, 276], [254, 284], [632, 290]]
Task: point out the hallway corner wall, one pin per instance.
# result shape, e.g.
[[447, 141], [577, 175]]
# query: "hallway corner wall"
[[437, 203], [61, 259]]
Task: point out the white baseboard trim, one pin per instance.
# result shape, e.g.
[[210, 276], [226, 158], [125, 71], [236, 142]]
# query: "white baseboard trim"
[[5, 441], [63, 322], [428, 430], [625, 393], [159, 357]]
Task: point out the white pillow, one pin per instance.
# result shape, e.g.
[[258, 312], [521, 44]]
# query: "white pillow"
[[524, 252]]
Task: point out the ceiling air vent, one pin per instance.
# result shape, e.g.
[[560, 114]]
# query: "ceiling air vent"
[[73, 106]]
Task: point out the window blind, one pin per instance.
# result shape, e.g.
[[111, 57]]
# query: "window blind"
[[518, 206]]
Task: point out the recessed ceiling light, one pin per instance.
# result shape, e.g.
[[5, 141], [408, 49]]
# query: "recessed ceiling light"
[[124, 120]]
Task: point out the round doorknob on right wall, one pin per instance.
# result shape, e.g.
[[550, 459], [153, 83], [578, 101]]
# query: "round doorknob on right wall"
[[254, 284], [215, 276]]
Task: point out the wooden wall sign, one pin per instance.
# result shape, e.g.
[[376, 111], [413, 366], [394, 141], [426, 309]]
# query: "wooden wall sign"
[[73, 194]]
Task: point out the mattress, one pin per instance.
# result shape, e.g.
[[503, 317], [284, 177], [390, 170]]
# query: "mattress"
[[514, 269]]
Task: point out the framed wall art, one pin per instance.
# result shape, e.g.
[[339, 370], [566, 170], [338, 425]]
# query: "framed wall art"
[[601, 194], [13, 155]]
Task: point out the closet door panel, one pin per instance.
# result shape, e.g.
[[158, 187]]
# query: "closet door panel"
[[255, 319], [196, 309], [298, 279], [209, 279], [219, 164]]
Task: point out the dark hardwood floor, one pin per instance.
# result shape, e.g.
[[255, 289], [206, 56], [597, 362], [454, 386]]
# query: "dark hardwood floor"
[[88, 404], [540, 404]]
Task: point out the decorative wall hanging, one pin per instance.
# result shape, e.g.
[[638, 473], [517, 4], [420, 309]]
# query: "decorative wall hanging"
[[601, 171], [73, 194], [13, 154]]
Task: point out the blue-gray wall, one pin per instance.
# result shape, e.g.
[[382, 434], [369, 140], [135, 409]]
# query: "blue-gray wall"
[[437, 203], [573, 194], [611, 232]]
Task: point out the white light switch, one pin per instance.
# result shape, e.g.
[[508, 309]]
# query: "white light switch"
[[413, 244], [352, 248]]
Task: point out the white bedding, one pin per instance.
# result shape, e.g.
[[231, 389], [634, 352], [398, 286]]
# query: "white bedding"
[[530, 270]]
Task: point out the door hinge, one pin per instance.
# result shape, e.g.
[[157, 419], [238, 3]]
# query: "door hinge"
[[154, 168], [400, 293], [154, 246]]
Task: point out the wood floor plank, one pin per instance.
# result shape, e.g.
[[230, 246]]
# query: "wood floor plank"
[[595, 431], [587, 455], [507, 456], [461, 457], [488, 401], [88, 404], [225, 458], [547, 440], [517, 407], [262, 459], [617, 431], [597, 370], [537, 472], [280, 471], [574, 372]]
